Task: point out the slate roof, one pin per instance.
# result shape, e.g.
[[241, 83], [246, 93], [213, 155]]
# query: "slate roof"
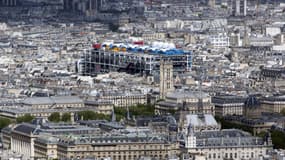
[[52, 100], [25, 128], [207, 120]]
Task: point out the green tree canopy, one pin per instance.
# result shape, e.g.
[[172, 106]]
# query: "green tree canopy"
[[54, 117], [283, 111], [66, 117], [4, 122], [113, 27], [278, 139], [25, 118], [229, 125], [91, 115], [138, 110]]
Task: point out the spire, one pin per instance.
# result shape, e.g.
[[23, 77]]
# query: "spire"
[[113, 116], [190, 130], [268, 138], [128, 114], [76, 117]]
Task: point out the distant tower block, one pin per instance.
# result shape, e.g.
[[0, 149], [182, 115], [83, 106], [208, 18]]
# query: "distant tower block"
[[94, 6], [166, 78], [240, 8], [211, 3], [8, 2]]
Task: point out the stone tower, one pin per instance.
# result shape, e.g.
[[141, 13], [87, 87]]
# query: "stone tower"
[[166, 78]]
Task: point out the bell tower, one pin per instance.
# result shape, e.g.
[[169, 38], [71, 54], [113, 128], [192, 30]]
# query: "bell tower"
[[166, 78]]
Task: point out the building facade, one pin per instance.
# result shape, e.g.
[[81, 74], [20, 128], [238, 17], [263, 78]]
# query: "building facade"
[[116, 147], [89, 7], [103, 107], [228, 105], [44, 106], [45, 147], [8, 2], [125, 100], [219, 41], [224, 144], [239, 7], [273, 104], [185, 102], [23, 138], [132, 59], [166, 78], [66, 141]]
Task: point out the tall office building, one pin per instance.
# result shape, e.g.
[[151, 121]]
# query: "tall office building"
[[243, 7], [96, 4], [239, 7], [211, 3], [8, 2], [67, 4], [166, 78], [92, 6]]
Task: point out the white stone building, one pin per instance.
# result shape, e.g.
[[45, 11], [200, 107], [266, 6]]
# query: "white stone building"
[[225, 144]]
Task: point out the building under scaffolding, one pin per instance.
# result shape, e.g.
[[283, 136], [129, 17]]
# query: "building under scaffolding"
[[133, 59]]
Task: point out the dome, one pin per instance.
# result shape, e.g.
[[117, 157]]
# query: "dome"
[[251, 102]]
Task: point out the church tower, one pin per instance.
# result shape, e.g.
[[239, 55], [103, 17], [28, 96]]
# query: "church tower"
[[166, 78], [190, 138]]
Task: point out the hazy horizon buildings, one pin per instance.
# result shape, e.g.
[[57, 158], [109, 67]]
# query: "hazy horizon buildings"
[[239, 7]]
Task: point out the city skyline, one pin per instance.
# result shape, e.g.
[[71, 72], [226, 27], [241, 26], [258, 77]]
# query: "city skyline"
[[142, 80]]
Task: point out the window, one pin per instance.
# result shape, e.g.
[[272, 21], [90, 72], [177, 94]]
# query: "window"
[[168, 85]]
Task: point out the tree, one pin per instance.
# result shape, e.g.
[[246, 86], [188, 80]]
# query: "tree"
[[262, 134], [229, 125], [223, 6], [66, 117], [54, 117], [91, 115], [283, 111], [138, 110], [4, 122], [278, 139], [25, 118], [86, 115], [113, 27]]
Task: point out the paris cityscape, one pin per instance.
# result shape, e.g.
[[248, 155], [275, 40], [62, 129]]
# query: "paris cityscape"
[[142, 79]]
